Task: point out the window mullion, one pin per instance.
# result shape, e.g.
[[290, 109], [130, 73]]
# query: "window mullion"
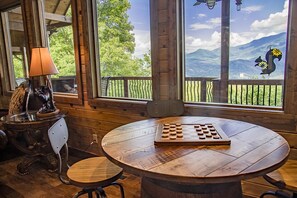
[[225, 41]]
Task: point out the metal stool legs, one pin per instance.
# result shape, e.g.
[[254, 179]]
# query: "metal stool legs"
[[278, 193]]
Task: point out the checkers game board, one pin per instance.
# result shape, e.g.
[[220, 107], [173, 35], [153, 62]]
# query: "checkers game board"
[[190, 134]]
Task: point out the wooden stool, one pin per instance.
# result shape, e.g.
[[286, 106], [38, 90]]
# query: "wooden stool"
[[91, 174], [285, 178]]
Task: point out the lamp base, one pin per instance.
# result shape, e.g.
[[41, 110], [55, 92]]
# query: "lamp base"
[[50, 114]]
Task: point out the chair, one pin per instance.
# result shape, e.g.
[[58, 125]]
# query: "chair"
[[285, 179], [104, 85], [91, 174], [165, 108]]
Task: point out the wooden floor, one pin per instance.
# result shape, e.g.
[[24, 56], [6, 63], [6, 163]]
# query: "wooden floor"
[[43, 184]]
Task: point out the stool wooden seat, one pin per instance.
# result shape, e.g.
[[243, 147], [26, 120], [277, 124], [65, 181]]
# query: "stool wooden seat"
[[285, 178], [94, 171], [91, 174]]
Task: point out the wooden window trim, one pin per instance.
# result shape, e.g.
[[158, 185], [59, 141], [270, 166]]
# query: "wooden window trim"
[[225, 109], [6, 55], [74, 98], [290, 68], [91, 62]]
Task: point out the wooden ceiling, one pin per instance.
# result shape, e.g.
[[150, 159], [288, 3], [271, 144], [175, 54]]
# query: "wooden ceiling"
[[55, 11], [8, 4]]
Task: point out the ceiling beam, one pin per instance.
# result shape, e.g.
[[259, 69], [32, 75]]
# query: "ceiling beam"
[[50, 16]]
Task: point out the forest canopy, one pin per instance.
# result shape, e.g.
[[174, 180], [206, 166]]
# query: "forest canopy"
[[116, 43]]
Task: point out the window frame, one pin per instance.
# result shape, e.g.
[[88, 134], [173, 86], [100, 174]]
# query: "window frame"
[[6, 52], [92, 63], [68, 97], [222, 110], [225, 40]]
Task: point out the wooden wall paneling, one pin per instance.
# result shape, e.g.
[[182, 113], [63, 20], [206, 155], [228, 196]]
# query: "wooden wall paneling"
[[172, 56], [163, 54], [164, 66], [163, 41], [290, 137], [166, 21], [35, 28], [8, 74], [90, 50], [291, 69], [76, 17], [164, 92], [162, 29], [163, 4], [155, 49], [225, 42], [273, 120], [163, 16], [7, 4]]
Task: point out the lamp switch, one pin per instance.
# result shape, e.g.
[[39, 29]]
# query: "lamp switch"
[[95, 138]]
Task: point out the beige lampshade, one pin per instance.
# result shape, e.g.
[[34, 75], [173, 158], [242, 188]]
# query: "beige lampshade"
[[42, 63]]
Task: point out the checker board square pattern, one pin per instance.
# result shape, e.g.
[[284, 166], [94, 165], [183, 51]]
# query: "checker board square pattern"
[[190, 134]]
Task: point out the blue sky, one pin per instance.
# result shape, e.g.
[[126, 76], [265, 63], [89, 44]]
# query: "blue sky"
[[257, 18], [139, 16]]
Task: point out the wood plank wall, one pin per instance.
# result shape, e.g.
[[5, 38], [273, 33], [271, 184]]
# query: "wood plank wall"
[[7, 4], [84, 120]]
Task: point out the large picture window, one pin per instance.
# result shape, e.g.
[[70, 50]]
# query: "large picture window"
[[61, 44], [235, 52], [14, 48], [124, 69]]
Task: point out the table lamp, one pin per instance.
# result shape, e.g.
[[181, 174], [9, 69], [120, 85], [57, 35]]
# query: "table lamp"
[[43, 65]]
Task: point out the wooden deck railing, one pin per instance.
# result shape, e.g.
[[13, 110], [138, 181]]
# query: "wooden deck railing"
[[198, 89], [256, 92]]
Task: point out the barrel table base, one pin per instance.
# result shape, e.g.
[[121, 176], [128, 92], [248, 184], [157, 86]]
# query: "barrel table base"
[[152, 188]]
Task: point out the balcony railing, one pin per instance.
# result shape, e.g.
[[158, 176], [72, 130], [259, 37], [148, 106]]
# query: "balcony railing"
[[196, 89]]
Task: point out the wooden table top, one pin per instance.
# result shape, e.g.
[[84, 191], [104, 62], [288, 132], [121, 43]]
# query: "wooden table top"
[[254, 151]]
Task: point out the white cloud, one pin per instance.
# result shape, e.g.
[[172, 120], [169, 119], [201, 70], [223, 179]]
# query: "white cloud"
[[197, 43], [209, 24], [142, 41], [201, 15], [200, 26], [274, 24], [251, 9], [214, 21]]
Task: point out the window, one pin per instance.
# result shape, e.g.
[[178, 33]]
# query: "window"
[[61, 44], [124, 53], [238, 60], [14, 48]]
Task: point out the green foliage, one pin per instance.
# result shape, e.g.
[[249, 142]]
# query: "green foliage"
[[62, 51], [17, 60], [117, 42], [264, 95]]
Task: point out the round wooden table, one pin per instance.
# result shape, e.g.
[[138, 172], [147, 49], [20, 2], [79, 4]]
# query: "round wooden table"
[[179, 171]]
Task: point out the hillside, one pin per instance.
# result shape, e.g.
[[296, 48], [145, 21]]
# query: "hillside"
[[206, 63]]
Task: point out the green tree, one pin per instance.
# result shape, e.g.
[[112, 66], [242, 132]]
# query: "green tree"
[[62, 51], [17, 60], [62, 48], [117, 42]]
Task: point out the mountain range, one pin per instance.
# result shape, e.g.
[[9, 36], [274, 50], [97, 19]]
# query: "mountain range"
[[206, 63]]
